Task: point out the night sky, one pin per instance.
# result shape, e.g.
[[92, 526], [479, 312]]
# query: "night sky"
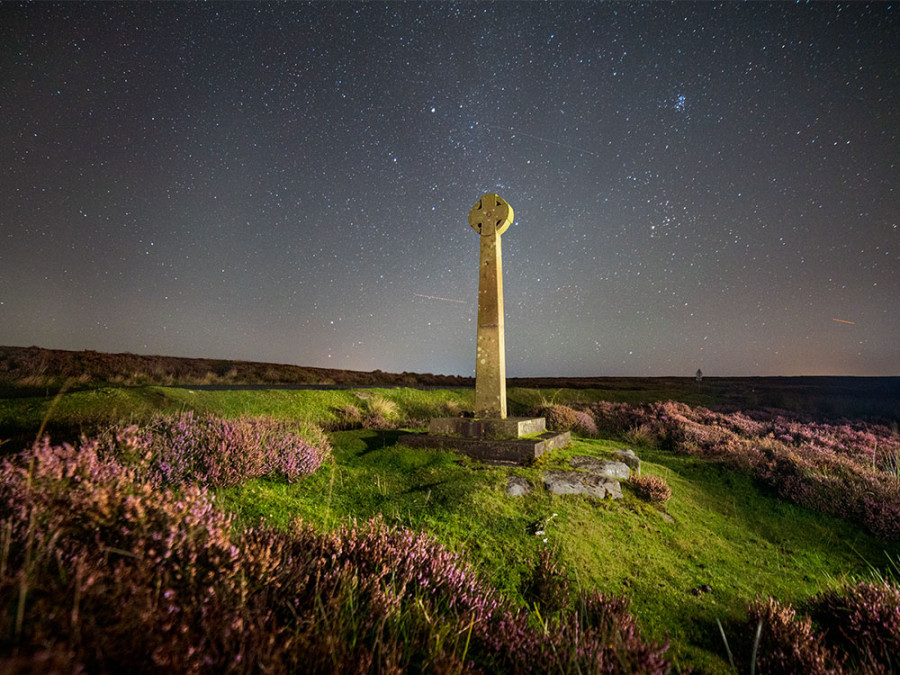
[[700, 185]]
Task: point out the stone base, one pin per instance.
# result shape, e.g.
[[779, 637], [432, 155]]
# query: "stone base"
[[521, 451], [487, 428]]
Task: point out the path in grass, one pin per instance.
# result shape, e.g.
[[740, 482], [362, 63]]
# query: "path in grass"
[[719, 530]]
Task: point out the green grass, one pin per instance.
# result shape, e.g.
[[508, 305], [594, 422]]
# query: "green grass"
[[88, 408], [718, 529]]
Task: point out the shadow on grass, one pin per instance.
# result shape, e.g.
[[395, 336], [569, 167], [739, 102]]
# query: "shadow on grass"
[[424, 487], [14, 439], [380, 440]]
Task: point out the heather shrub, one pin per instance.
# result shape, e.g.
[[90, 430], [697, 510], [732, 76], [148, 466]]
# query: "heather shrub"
[[376, 421], [844, 469], [584, 424], [548, 584], [864, 620], [880, 506], [109, 573], [106, 569], [787, 644], [349, 417], [601, 636], [396, 564], [653, 489], [159, 580], [559, 417], [171, 450], [616, 417]]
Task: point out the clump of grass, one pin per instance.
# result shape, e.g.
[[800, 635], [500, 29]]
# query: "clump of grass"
[[548, 585], [886, 456], [559, 417], [380, 411], [348, 417], [641, 434], [652, 489], [382, 406]]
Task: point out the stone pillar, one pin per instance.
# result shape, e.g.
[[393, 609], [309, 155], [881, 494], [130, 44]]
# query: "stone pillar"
[[490, 217], [491, 436]]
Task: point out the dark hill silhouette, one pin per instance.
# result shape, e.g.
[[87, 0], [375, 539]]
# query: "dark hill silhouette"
[[28, 371], [34, 368]]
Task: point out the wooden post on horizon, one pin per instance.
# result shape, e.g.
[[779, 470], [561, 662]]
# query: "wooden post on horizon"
[[490, 218]]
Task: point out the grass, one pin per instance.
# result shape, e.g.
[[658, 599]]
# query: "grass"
[[719, 528], [102, 406], [85, 410]]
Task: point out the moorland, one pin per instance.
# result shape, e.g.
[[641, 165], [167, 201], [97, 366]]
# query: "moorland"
[[190, 515]]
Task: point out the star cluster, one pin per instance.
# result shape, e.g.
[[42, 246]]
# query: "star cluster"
[[695, 185]]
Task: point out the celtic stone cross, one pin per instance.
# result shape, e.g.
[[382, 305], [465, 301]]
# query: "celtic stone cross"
[[490, 217]]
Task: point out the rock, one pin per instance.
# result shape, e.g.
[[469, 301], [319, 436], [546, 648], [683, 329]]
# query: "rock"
[[517, 486], [581, 483], [631, 459], [587, 463], [602, 467], [700, 590]]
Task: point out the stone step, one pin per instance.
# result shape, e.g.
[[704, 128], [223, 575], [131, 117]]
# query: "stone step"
[[509, 451], [489, 428]]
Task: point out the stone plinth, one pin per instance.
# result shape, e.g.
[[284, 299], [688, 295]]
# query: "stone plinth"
[[509, 451], [514, 440], [487, 429]]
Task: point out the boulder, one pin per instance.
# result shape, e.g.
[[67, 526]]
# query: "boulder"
[[581, 483], [517, 486], [602, 467], [631, 459]]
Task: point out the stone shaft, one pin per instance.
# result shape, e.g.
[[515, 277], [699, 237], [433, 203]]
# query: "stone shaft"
[[490, 364]]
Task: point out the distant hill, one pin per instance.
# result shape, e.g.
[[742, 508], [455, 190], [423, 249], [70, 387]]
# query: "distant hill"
[[35, 368]]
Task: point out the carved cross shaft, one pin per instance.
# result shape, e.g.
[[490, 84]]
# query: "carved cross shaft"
[[490, 217]]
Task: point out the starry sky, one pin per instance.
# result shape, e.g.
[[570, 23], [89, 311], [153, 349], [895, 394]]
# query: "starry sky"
[[695, 185]]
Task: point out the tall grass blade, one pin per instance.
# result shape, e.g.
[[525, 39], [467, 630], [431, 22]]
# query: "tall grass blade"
[[727, 648], [756, 638], [56, 399]]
